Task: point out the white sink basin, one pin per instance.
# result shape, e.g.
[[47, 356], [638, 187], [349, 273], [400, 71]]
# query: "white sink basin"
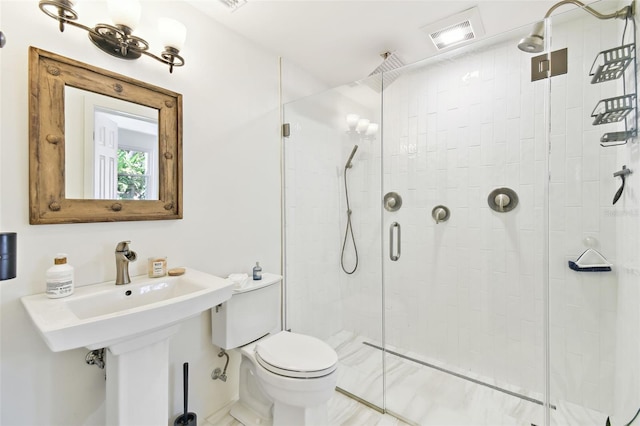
[[101, 315]]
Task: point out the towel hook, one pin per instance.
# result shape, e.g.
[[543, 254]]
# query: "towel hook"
[[623, 174]]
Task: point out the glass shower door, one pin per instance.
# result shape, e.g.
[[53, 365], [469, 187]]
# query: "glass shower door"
[[594, 341], [333, 268], [464, 146]]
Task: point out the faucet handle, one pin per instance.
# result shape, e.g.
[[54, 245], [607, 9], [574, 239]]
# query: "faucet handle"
[[123, 246]]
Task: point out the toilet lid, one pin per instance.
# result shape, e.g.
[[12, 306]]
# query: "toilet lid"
[[296, 355]]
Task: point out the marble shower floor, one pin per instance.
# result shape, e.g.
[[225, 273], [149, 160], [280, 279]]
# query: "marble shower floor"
[[427, 396]]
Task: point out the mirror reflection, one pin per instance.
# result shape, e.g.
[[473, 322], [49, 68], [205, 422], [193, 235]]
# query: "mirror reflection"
[[111, 149]]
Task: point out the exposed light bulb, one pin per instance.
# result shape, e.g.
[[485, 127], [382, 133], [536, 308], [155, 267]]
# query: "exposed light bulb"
[[172, 33], [372, 129], [125, 12], [363, 123], [352, 121]]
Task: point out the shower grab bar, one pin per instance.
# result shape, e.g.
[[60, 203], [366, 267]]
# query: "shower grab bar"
[[394, 225]]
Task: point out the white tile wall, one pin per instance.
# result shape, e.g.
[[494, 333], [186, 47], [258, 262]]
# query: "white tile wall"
[[470, 292], [322, 299], [464, 291], [620, 367], [583, 310]]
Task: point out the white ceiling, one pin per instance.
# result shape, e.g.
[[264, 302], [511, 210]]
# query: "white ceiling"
[[340, 41]]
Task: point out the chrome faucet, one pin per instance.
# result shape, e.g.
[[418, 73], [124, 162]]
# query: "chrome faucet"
[[123, 257]]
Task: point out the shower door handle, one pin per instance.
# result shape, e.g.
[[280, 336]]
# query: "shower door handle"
[[398, 233]]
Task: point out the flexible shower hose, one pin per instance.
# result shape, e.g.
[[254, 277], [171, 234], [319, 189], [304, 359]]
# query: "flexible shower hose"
[[348, 231]]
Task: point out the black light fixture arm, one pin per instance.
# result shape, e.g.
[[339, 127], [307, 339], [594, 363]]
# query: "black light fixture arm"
[[116, 40]]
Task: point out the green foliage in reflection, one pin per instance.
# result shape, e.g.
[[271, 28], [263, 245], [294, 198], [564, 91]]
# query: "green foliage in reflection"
[[132, 179]]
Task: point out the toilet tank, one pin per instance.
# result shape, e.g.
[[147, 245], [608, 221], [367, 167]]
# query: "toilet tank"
[[250, 313]]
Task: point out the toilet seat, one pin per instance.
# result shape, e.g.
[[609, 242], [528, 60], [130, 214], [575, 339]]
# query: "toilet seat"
[[296, 355]]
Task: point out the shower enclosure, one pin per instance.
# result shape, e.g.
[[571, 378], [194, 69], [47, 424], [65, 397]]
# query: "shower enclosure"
[[463, 308]]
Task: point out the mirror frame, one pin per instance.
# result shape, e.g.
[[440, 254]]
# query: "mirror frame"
[[49, 73]]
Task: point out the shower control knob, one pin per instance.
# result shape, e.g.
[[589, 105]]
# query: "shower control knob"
[[440, 214], [392, 201], [502, 200]]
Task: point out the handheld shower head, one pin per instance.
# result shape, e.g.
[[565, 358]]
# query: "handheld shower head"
[[353, 152]]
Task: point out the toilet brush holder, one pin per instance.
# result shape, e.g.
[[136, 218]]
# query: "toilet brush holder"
[[186, 419]]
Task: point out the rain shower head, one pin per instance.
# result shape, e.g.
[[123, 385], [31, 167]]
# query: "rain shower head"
[[353, 152], [386, 73], [534, 42]]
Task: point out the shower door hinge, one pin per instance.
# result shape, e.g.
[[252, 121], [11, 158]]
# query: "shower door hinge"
[[549, 65], [286, 130]]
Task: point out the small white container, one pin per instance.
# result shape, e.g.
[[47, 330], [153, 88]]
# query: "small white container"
[[59, 278]]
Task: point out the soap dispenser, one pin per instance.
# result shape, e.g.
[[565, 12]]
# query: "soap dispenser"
[[257, 272]]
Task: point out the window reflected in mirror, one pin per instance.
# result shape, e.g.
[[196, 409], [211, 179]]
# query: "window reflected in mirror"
[[112, 148]]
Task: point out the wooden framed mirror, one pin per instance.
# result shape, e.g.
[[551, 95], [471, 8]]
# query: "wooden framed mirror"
[[73, 181]]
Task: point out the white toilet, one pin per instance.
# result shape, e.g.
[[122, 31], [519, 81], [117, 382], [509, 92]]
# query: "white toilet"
[[285, 378]]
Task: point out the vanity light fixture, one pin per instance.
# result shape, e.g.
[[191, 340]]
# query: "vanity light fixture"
[[361, 126], [118, 39]]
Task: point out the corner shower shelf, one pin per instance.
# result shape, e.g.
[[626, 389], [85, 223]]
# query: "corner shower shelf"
[[611, 65], [614, 62]]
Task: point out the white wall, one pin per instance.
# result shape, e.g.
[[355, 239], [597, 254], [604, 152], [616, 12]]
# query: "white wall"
[[231, 203]]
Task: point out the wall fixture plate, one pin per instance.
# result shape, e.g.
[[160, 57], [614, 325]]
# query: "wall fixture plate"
[[392, 201], [549, 65], [502, 200]]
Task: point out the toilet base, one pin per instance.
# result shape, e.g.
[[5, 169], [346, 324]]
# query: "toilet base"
[[285, 415], [247, 416]]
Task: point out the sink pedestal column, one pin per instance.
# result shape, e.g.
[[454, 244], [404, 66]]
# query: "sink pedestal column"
[[138, 380]]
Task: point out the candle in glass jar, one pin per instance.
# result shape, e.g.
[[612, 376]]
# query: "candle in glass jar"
[[157, 267]]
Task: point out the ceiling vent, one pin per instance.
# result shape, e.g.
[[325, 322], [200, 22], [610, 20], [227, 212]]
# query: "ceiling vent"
[[457, 29], [233, 5]]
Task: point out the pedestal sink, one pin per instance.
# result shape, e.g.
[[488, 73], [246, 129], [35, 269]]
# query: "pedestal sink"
[[134, 323]]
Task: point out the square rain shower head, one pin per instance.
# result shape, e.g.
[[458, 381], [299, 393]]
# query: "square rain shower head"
[[386, 73]]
